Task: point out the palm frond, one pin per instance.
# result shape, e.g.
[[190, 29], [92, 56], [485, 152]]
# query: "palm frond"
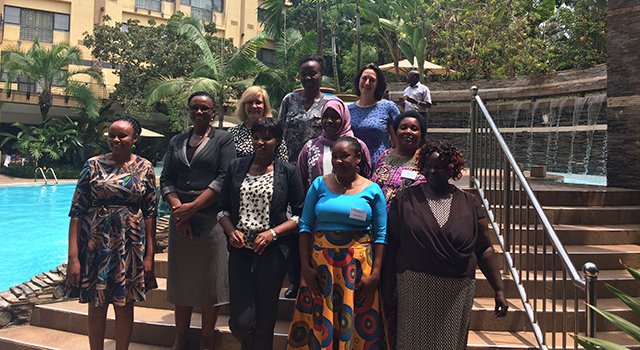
[[205, 84], [244, 60], [597, 344], [165, 88], [273, 17], [83, 94], [194, 31]]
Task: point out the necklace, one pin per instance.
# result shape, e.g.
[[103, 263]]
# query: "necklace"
[[340, 183]]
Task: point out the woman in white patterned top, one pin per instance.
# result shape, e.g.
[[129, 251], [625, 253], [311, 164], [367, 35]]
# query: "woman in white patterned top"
[[253, 213], [253, 104]]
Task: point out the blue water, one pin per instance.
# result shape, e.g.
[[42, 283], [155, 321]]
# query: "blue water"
[[34, 225]]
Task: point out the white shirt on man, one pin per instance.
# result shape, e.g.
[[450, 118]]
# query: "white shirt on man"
[[418, 92]]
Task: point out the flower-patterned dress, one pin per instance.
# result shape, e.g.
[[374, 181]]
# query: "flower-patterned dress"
[[394, 173], [112, 204]]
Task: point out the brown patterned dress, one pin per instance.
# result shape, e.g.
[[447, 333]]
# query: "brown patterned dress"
[[112, 203]]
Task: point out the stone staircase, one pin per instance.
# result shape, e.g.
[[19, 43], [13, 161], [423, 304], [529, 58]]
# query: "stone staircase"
[[596, 224]]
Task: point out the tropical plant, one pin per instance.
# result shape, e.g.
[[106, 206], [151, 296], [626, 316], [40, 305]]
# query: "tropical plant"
[[628, 327], [50, 144], [47, 67], [217, 75], [142, 52], [281, 79]]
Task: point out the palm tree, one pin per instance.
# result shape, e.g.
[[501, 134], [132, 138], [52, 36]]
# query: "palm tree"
[[281, 79], [48, 66], [212, 74]]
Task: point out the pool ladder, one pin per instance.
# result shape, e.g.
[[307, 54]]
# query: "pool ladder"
[[44, 175]]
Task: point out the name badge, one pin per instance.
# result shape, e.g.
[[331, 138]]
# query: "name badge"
[[409, 174], [358, 214]]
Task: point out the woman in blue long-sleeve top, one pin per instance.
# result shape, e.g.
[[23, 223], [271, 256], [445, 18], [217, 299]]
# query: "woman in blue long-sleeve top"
[[342, 240]]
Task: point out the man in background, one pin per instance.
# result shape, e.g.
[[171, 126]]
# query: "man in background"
[[416, 96]]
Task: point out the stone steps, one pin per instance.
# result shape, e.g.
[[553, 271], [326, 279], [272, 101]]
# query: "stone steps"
[[595, 215], [33, 337], [571, 234], [606, 257]]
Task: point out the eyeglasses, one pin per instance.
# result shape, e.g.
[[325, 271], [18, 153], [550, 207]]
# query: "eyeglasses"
[[203, 109]]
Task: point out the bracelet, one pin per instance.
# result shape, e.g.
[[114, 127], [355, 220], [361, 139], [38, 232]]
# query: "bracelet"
[[273, 234]]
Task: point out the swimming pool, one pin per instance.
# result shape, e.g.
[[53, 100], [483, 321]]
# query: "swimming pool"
[[33, 230]]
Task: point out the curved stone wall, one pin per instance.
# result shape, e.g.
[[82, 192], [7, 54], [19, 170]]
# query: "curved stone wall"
[[558, 120]]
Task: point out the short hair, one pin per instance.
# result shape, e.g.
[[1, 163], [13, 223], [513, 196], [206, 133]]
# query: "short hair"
[[200, 93], [307, 58], [250, 94], [135, 124], [412, 114], [364, 168], [448, 153], [270, 125], [381, 81]]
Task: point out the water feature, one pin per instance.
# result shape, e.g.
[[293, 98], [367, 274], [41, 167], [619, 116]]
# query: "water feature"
[[567, 134]]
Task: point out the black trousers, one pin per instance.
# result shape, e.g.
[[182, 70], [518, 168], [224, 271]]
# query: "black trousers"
[[293, 270], [254, 287]]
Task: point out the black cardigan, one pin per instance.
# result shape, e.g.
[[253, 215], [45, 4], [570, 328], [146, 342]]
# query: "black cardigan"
[[287, 191]]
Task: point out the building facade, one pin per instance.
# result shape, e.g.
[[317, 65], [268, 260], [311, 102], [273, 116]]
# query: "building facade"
[[54, 21]]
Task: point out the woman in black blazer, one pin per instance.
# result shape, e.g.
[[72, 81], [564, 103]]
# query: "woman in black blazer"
[[253, 214]]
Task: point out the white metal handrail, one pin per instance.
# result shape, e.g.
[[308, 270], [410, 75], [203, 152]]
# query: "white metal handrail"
[[496, 175]]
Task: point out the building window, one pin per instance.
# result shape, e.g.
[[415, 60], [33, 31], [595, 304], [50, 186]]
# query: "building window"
[[185, 2], [153, 5], [267, 57], [36, 24], [203, 9], [262, 14]]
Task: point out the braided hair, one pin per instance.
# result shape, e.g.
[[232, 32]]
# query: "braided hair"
[[135, 124], [364, 169]]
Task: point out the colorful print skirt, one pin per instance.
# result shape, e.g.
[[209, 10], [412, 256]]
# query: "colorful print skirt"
[[335, 320]]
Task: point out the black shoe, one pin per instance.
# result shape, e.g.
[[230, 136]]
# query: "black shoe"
[[291, 292]]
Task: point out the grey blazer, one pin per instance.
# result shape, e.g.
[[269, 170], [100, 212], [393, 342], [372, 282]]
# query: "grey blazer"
[[206, 169]]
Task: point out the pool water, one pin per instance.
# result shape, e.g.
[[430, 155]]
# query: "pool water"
[[33, 230]]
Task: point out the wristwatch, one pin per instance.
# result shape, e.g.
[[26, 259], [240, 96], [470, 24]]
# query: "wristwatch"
[[273, 234]]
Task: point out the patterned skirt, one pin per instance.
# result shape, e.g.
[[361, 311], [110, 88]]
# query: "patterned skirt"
[[433, 312], [335, 320]]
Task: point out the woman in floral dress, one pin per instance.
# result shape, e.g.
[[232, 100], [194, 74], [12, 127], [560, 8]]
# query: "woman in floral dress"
[[111, 233]]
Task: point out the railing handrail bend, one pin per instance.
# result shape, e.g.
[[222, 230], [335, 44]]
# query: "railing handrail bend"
[[566, 261]]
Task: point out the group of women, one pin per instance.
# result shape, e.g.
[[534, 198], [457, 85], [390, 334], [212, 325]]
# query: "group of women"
[[372, 254]]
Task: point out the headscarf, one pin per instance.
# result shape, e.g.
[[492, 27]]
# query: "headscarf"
[[309, 164], [345, 128]]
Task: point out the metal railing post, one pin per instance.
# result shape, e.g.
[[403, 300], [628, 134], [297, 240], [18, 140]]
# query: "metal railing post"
[[506, 206], [591, 277], [472, 134]]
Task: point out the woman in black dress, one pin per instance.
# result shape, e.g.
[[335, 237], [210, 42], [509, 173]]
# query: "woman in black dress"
[[437, 236]]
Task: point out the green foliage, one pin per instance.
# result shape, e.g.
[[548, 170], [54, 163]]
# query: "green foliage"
[[628, 327], [220, 76], [143, 53], [576, 36], [48, 66], [291, 47], [348, 64], [28, 170], [479, 39], [50, 143]]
